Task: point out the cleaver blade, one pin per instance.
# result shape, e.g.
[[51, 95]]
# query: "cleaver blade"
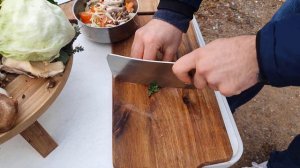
[[133, 70]]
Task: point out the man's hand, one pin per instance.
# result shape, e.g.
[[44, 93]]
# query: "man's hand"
[[228, 65], [156, 36]]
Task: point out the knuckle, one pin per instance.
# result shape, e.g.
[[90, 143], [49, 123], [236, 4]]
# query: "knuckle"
[[198, 54], [144, 37], [211, 80], [199, 85], [200, 51], [220, 40], [149, 39], [176, 69], [201, 70], [170, 51], [226, 91], [138, 32], [199, 82]]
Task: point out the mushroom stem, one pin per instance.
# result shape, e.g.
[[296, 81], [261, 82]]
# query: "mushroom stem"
[[3, 91]]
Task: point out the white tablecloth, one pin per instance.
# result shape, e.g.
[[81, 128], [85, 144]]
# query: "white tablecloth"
[[80, 119]]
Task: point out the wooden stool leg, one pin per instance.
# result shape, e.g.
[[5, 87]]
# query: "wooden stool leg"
[[39, 139]]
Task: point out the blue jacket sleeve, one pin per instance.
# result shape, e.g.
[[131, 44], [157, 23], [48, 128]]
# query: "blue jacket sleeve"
[[278, 51], [177, 12], [184, 7]]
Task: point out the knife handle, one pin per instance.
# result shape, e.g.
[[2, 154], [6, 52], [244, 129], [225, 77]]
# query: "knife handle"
[[191, 74]]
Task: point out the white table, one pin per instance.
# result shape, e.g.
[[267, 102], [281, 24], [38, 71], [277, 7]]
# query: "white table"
[[80, 120]]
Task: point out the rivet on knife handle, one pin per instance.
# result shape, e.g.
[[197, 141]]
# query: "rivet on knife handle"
[[191, 74]]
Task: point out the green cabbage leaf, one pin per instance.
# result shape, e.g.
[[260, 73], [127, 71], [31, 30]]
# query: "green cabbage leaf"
[[33, 30]]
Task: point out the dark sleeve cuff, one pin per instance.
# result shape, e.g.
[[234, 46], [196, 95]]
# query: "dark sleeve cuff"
[[186, 8], [176, 19], [261, 75], [278, 51], [265, 55]]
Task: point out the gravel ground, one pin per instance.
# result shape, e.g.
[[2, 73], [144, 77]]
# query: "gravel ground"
[[272, 119]]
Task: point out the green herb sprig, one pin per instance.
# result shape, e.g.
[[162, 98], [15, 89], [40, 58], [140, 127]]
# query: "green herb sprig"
[[153, 88], [68, 50]]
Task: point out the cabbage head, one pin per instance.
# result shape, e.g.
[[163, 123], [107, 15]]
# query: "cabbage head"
[[33, 30]]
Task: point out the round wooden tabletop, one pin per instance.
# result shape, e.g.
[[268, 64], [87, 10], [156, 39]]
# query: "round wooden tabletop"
[[34, 97]]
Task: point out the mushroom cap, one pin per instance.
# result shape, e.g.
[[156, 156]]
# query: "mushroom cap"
[[8, 112]]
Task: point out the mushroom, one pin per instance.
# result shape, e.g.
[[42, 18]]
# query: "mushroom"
[[8, 111], [38, 68], [2, 76]]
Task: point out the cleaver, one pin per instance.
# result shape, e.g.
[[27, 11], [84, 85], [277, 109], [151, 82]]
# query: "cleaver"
[[133, 70]]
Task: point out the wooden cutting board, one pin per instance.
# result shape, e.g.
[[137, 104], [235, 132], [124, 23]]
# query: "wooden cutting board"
[[174, 128], [147, 6]]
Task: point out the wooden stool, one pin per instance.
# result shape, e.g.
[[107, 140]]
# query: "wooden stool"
[[34, 97]]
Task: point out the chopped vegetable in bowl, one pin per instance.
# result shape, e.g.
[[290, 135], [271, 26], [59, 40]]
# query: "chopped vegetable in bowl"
[[107, 13]]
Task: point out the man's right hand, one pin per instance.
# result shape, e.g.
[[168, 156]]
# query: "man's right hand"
[[228, 65], [157, 35]]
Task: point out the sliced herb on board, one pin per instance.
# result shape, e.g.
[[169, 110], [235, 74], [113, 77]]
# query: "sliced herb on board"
[[153, 88]]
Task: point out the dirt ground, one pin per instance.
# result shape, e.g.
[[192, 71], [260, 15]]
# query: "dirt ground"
[[270, 120]]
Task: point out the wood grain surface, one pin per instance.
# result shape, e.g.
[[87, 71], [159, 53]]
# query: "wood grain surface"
[[34, 97], [147, 6], [174, 128], [39, 139], [68, 9]]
